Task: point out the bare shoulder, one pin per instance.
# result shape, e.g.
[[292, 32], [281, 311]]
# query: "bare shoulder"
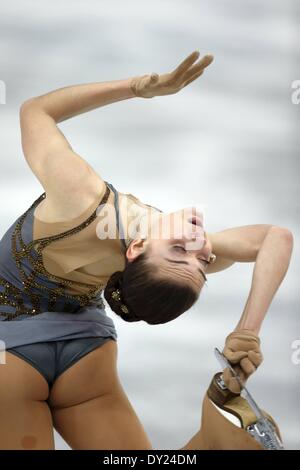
[[73, 204]]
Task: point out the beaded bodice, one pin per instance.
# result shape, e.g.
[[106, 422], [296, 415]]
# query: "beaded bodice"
[[26, 287]]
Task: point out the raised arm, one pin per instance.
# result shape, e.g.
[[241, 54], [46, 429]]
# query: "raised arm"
[[65, 103], [68, 180], [65, 175]]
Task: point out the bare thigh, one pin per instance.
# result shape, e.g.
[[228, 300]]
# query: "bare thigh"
[[25, 417], [90, 408]]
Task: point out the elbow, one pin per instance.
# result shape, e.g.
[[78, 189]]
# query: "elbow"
[[28, 104]]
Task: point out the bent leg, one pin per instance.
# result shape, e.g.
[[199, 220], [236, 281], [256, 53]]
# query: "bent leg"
[[25, 418]]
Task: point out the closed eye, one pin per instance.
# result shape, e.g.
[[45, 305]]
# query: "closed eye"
[[205, 260], [183, 250], [179, 248]]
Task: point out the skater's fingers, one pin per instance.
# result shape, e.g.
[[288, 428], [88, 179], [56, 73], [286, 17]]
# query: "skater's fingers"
[[193, 78], [234, 356], [242, 375], [234, 386], [255, 357], [227, 378], [199, 67], [188, 61], [242, 340], [231, 382], [247, 366]]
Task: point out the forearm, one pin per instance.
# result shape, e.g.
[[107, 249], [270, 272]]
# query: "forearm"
[[64, 103], [269, 271]]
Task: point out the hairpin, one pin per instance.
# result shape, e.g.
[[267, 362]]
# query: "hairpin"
[[116, 295]]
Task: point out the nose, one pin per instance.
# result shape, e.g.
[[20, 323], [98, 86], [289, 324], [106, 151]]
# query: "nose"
[[201, 247], [199, 235], [195, 232], [195, 242]]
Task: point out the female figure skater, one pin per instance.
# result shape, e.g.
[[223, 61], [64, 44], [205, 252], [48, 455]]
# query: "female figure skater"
[[59, 360]]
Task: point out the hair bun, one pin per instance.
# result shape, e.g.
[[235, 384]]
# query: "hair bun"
[[114, 297], [115, 279], [114, 282]]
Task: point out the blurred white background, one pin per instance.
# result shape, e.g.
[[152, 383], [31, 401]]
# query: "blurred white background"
[[227, 142]]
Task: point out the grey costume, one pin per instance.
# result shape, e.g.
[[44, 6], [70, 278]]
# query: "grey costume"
[[38, 322]]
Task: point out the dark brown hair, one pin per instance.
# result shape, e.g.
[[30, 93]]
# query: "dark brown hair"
[[138, 293]]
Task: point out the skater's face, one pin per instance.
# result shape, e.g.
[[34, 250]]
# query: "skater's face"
[[178, 245]]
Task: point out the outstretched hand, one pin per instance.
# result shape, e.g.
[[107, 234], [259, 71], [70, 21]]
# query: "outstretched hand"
[[150, 85]]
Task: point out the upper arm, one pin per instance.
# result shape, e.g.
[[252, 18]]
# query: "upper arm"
[[64, 175], [236, 244]]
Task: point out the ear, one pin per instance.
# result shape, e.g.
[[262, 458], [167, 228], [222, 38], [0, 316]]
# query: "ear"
[[135, 248]]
